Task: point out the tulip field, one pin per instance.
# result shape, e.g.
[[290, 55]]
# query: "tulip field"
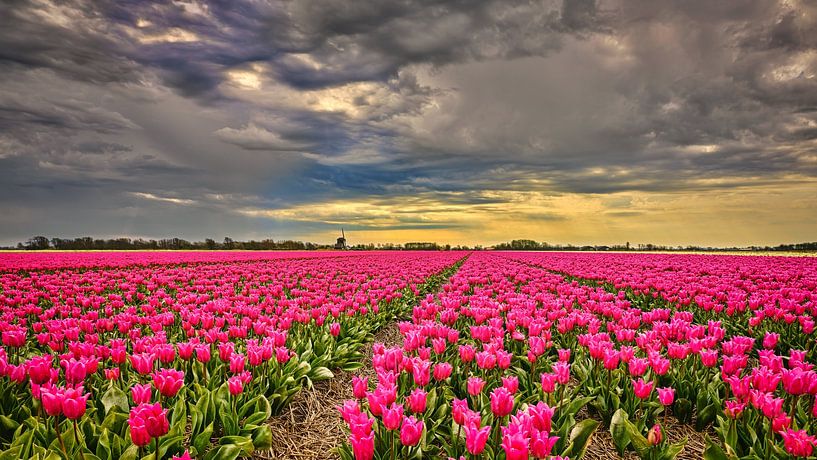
[[503, 355]]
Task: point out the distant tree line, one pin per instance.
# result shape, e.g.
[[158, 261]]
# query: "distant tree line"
[[39, 243], [125, 244], [531, 245]]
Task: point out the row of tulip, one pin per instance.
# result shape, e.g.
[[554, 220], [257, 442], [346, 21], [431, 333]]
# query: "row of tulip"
[[185, 360], [501, 363]]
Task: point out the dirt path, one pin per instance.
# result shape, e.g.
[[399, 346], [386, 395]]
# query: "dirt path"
[[311, 427]]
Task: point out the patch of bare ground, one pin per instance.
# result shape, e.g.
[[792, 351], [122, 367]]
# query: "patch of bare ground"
[[602, 448], [311, 427]]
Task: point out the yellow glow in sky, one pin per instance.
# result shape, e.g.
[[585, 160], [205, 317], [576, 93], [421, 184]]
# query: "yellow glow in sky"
[[735, 216]]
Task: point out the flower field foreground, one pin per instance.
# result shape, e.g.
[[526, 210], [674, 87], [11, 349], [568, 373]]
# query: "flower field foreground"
[[526, 355], [154, 355]]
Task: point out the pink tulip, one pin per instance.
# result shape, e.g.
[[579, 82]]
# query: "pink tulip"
[[501, 402], [511, 384], [442, 371], [516, 446], [360, 385], [168, 381], [334, 329], [467, 353], [75, 371], [548, 382], [541, 416], [654, 436], [393, 416], [112, 374], [798, 443], [770, 340], [417, 401], [52, 399], [459, 408], [476, 438], [541, 443], [666, 396], [362, 446], [411, 431], [141, 393], [142, 362], [235, 385], [643, 388], [475, 386], [74, 402]]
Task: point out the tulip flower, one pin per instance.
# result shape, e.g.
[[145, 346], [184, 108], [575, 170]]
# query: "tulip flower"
[[15, 338], [501, 402], [642, 388], [798, 443], [142, 362], [476, 438], [155, 419], [541, 416], [541, 443], [168, 382], [654, 436], [203, 354], [442, 371], [74, 402], [362, 446], [235, 385], [564, 354], [459, 407], [733, 409], [141, 393], [417, 401], [511, 384], [467, 353], [770, 340], [39, 369], [51, 399], [475, 386], [75, 371], [112, 374], [411, 431], [611, 359], [360, 385], [393, 416], [516, 446], [237, 363], [548, 382], [666, 396]]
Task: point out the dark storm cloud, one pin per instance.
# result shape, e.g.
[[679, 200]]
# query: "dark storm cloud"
[[202, 109]]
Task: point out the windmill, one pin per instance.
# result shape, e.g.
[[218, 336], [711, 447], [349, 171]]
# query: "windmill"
[[341, 243]]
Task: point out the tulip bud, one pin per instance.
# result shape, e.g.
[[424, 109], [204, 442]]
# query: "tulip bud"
[[654, 436]]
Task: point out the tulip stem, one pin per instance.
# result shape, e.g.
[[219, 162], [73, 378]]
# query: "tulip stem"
[[457, 440], [76, 435], [561, 398], [156, 440], [59, 435]]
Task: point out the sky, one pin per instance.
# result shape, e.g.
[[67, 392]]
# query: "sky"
[[461, 122]]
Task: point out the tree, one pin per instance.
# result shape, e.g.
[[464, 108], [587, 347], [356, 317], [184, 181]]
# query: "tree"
[[37, 243]]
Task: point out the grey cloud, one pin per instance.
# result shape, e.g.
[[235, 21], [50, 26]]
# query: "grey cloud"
[[253, 137], [104, 100]]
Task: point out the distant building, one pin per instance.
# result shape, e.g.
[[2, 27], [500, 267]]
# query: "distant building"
[[341, 243]]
